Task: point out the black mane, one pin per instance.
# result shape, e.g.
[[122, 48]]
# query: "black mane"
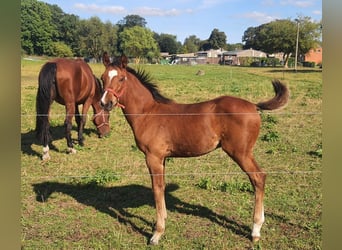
[[146, 79]]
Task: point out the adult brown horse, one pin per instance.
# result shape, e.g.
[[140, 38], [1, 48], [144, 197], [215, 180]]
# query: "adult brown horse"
[[70, 83], [164, 128]]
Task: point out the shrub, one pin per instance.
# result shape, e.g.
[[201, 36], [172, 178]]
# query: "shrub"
[[246, 61], [272, 62], [60, 49], [309, 64], [101, 177], [271, 136]]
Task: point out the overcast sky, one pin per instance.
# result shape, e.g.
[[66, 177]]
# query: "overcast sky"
[[195, 17]]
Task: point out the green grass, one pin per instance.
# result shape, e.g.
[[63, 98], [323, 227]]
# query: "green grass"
[[101, 197]]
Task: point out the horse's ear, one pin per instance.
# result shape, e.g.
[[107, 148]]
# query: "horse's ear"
[[123, 61], [105, 59]]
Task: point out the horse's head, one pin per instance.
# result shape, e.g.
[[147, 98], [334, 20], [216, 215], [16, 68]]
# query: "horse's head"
[[114, 78], [101, 121]]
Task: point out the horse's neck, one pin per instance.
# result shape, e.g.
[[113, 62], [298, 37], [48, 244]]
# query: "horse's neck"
[[137, 101], [96, 107], [96, 100]]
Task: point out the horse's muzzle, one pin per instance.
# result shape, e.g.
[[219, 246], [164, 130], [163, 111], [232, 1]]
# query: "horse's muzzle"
[[108, 106]]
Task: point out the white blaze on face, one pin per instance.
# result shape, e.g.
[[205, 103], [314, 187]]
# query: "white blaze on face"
[[104, 97], [112, 74]]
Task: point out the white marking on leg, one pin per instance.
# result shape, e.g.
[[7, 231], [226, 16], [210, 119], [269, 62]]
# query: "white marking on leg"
[[46, 149], [71, 151], [46, 155], [257, 226], [155, 239], [256, 230]]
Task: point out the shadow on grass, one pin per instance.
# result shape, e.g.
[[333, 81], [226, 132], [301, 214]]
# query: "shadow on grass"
[[116, 201], [58, 132], [282, 70]]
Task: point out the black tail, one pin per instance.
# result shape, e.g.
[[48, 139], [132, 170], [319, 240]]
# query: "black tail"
[[279, 100], [47, 78]]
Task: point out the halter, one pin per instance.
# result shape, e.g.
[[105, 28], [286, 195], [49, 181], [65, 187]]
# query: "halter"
[[103, 116], [118, 95]]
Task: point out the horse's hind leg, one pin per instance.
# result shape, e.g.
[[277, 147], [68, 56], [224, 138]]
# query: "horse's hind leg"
[[257, 178], [70, 111], [46, 148]]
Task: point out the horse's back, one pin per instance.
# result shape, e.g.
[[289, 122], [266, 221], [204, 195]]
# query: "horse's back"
[[75, 80], [233, 112], [232, 104]]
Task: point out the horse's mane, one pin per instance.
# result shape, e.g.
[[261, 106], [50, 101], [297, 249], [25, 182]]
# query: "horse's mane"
[[98, 84], [146, 79]]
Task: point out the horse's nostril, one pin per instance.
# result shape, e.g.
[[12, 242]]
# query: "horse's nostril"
[[108, 106]]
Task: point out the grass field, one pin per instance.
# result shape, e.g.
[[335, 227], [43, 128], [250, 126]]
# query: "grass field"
[[101, 197]]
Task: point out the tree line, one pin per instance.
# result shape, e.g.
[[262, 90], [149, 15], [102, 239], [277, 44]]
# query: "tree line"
[[47, 30]]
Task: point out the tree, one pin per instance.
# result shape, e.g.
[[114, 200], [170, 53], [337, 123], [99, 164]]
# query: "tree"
[[110, 38], [137, 42], [234, 46], [69, 32], [205, 45], [191, 44], [37, 29], [46, 28], [91, 32], [60, 49], [167, 43], [67, 27], [280, 36], [217, 39], [250, 38], [130, 21]]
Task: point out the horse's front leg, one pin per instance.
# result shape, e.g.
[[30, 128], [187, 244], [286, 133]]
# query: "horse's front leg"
[[157, 169], [82, 121], [70, 111]]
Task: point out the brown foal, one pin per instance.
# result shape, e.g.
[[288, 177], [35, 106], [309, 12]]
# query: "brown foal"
[[164, 128]]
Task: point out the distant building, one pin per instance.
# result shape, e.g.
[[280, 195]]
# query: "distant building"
[[219, 56], [233, 57], [188, 58], [314, 55], [212, 56]]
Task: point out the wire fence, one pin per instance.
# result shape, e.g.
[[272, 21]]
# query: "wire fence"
[[129, 137], [189, 114]]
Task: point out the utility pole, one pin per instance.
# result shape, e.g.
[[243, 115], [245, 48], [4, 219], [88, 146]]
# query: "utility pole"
[[296, 57]]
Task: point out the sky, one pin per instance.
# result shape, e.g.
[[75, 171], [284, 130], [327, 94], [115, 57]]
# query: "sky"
[[184, 18]]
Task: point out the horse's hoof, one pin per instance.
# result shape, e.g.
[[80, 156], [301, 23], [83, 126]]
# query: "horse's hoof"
[[153, 242], [46, 157], [71, 151], [256, 239]]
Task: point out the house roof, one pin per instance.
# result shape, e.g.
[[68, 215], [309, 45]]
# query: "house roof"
[[246, 52], [187, 55]]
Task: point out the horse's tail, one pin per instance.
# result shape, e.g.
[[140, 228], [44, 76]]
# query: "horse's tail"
[[46, 79], [279, 100]]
